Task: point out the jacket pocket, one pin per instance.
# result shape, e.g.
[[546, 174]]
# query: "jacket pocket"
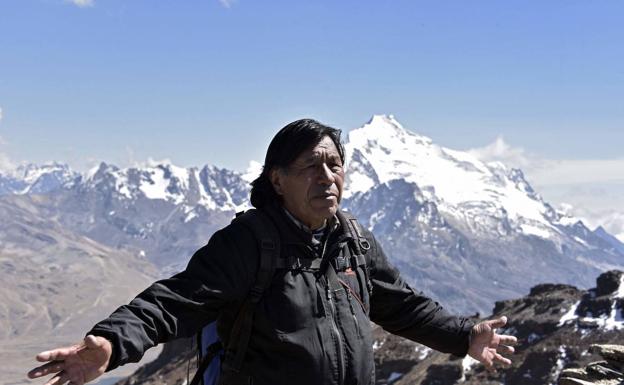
[[291, 303]]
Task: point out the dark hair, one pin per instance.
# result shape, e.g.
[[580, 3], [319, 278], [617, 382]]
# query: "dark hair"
[[290, 142]]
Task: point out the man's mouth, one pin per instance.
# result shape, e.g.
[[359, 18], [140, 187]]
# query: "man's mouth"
[[327, 195]]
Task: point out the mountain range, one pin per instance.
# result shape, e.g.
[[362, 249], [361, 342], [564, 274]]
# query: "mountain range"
[[466, 232], [463, 231]]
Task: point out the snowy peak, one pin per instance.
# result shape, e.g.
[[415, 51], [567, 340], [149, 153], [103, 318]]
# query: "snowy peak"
[[460, 184], [211, 187], [38, 179], [386, 126]]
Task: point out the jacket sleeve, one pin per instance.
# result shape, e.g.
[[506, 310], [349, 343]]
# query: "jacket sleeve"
[[218, 274], [398, 309]]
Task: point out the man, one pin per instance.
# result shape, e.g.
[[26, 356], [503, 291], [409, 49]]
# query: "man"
[[312, 324]]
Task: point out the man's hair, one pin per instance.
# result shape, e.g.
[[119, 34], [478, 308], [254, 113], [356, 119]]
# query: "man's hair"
[[286, 146]]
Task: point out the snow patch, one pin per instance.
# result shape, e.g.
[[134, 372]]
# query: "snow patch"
[[579, 240], [534, 230], [253, 171], [190, 216], [393, 377], [559, 365], [569, 315], [467, 364], [611, 321], [423, 352], [619, 293]]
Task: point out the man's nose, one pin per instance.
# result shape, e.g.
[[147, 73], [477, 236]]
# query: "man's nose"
[[326, 175]]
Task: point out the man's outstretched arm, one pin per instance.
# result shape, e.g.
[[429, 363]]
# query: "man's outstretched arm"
[[401, 310], [218, 274]]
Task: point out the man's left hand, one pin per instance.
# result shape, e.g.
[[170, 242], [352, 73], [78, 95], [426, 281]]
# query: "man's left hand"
[[486, 346]]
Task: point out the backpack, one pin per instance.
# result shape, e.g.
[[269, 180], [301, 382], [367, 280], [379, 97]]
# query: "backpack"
[[211, 351]]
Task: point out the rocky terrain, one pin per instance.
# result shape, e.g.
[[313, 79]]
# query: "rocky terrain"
[[608, 371], [557, 327]]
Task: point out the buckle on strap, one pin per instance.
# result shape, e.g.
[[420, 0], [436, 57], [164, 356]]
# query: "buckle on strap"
[[358, 260], [341, 263]]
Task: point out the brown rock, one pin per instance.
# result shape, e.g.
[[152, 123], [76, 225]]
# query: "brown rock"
[[580, 374], [609, 352]]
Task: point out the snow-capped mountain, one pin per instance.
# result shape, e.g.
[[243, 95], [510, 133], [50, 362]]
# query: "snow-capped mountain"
[[457, 182], [467, 232], [462, 230], [210, 187], [160, 210], [37, 179]]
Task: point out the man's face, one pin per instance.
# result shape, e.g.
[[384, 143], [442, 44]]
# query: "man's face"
[[311, 187]]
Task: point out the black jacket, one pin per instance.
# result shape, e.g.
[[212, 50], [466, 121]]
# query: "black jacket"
[[301, 329]]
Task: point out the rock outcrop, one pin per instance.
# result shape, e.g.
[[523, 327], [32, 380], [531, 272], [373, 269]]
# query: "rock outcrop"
[[609, 371]]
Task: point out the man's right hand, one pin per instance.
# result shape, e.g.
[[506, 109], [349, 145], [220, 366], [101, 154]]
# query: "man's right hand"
[[77, 364]]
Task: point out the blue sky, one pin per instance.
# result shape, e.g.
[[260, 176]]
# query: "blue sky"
[[211, 81]]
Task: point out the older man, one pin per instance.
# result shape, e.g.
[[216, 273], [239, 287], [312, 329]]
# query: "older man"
[[311, 324]]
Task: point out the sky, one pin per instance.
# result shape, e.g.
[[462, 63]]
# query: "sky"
[[539, 83]]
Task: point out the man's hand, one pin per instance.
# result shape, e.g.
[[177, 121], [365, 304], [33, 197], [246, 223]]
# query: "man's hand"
[[486, 346], [77, 364]]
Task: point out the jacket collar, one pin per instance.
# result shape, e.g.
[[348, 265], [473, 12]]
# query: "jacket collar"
[[291, 233]]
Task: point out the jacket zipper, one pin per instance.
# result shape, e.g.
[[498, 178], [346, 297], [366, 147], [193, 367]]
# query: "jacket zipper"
[[353, 294], [357, 325], [349, 298], [335, 329], [340, 348]]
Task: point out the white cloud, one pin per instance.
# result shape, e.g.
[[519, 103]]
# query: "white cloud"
[[82, 3], [501, 151], [6, 165], [227, 3], [593, 187], [547, 172], [253, 171]]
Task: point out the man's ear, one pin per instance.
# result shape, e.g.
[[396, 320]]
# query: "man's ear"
[[275, 176]]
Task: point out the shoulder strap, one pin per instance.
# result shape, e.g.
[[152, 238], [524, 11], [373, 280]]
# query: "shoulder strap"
[[353, 227], [211, 352], [360, 245], [268, 240]]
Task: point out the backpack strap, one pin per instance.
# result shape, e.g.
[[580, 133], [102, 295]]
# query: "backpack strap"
[[353, 227], [359, 246], [268, 240], [211, 352]]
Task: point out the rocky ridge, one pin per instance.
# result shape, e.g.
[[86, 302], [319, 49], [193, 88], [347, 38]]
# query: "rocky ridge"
[[556, 325], [609, 371]]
